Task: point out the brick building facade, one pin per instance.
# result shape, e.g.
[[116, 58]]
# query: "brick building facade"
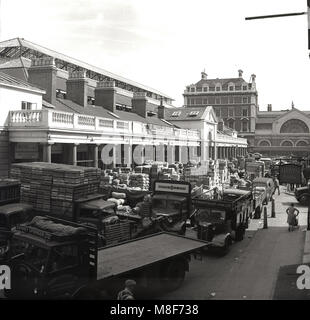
[[234, 100]]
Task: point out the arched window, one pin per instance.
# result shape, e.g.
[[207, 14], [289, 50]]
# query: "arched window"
[[244, 126], [301, 143], [264, 143], [287, 143], [294, 126]]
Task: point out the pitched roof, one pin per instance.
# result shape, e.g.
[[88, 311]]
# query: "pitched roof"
[[17, 42], [10, 81], [69, 106], [16, 63]]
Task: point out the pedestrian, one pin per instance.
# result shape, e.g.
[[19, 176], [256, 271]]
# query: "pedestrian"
[[276, 185], [128, 292], [291, 216]]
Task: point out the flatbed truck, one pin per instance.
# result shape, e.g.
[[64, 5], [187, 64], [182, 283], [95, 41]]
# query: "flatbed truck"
[[48, 264]]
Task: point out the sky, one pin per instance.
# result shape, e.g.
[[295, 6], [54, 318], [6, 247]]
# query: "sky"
[[166, 44]]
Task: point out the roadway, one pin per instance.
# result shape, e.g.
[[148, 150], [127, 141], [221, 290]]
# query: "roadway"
[[251, 269]]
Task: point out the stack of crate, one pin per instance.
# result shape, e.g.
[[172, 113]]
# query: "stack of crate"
[[52, 188], [196, 176], [139, 180]]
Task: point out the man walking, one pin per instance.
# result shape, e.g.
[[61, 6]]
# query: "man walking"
[[276, 185], [127, 293]]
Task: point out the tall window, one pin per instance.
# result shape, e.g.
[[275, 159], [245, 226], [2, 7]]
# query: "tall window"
[[28, 105], [244, 126], [230, 112], [244, 112]]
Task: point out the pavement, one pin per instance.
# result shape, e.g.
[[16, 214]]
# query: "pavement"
[[261, 267]]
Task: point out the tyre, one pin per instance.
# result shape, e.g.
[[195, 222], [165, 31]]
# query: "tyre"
[[226, 248], [304, 199], [173, 275]]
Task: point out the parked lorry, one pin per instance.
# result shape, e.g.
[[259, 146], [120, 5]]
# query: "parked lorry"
[[303, 195], [255, 169], [223, 220], [12, 213], [265, 185], [55, 259]]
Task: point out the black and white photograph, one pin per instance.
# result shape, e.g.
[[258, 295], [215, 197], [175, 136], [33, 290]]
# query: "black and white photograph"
[[154, 151]]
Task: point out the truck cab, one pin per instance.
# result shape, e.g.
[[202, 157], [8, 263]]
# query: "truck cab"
[[46, 264], [11, 215], [220, 221], [172, 200]]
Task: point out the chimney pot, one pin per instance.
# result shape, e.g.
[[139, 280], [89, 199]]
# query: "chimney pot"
[[269, 108]]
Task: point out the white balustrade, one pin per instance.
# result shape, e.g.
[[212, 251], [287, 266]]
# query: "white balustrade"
[[55, 119], [86, 121], [26, 117], [60, 117]]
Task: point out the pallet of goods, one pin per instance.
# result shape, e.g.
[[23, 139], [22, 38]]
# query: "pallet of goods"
[[139, 180], [52, 188]]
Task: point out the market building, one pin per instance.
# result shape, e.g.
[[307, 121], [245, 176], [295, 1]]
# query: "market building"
[[282, 133], [83, 115], [234, 100]]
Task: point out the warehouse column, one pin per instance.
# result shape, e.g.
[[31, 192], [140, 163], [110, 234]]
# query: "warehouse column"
[[74, 154], [96, 159], [215, 152], [170, 154], [47, 153]]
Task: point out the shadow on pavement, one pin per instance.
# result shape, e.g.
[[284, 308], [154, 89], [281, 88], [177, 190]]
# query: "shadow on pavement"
[[286, 286]]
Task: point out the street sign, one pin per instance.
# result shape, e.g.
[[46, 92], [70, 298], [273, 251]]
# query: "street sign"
[[173, 187]]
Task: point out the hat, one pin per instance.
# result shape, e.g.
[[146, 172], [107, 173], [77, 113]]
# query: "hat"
[[130, 283]]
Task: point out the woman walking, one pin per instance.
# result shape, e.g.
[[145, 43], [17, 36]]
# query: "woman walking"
[[291, 216]]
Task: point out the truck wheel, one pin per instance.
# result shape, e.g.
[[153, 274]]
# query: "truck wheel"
[[173, 275], [304, 199], [226, 248]]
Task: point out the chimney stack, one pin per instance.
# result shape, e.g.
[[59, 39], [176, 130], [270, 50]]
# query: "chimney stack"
[[105, 95], [139, 104], [161, 110], [269, 107], [43, 73], [240, 72], [77, 88]]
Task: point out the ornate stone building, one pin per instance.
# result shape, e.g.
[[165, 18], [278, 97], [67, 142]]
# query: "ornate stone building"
[[284, 132], [234, 100]]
